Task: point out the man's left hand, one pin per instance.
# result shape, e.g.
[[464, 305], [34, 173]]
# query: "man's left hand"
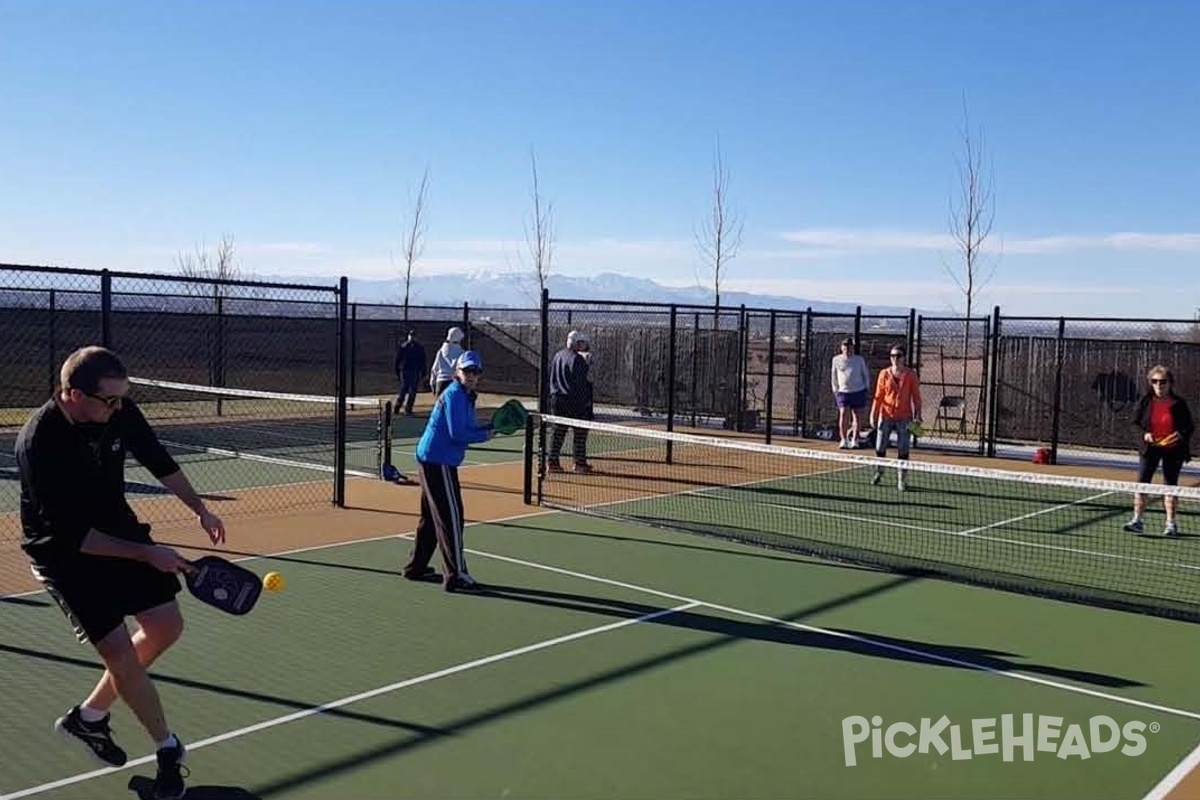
[[213, 526]]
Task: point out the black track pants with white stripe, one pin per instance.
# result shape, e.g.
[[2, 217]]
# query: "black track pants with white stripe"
[[441, 523]]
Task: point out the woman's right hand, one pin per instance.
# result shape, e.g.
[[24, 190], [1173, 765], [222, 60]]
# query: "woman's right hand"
[[1148, 438]]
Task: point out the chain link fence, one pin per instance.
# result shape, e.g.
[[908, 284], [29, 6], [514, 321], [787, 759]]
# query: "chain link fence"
[[1075, 382], [1031, 381], [233, 354]]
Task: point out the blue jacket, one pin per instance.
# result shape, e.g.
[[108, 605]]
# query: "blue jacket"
[[452, 427]]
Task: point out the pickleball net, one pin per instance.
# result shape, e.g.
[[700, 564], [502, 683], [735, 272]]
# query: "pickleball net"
[[270, 428], [1045, 534], [253, 452]]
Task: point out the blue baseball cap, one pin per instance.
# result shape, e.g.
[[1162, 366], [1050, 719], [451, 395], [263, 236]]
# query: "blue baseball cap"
[[470, 359]]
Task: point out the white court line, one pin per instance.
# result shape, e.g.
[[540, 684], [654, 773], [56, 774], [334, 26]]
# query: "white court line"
[[355, 698], [1163, 788]]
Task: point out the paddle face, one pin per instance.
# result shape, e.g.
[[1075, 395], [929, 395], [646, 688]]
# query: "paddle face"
[[510, 417], [224, 585]]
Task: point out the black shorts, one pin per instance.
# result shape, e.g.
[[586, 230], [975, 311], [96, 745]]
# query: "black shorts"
[[98, 593], [1172, 465]]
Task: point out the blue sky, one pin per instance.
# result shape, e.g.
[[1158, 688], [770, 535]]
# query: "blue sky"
[[135, 130]]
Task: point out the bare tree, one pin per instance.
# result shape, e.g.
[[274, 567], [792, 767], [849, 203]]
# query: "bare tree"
[[720, 234], [540, 240], [414, 239], [217, 269], [971, 216]]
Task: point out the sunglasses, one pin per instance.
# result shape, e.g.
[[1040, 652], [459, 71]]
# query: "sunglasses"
[[472, 370], [1159, 380], [896, 355], [111, 402]]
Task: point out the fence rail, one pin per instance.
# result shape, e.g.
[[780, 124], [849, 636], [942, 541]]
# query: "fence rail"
[[998, 380]]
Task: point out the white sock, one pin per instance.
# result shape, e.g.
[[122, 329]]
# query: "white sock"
[[88, 714], [170, 741]]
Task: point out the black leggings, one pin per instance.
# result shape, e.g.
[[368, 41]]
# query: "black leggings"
[[1172, 465]]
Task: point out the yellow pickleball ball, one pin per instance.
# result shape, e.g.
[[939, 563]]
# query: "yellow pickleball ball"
[[272, 581]]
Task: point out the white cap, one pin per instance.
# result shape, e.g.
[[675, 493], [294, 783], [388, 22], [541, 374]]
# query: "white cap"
[[576, 336], [454, 335]]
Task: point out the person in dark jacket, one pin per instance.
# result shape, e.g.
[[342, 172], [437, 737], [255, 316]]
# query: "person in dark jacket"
[[451, 429], [410, 368], [571, 396], [1165, 428], [94, 557]]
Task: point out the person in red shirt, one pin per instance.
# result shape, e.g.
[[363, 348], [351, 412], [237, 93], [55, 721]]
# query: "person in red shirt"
[[1165, 429]]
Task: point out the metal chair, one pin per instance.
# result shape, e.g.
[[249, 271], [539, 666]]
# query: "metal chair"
[[951, 411]]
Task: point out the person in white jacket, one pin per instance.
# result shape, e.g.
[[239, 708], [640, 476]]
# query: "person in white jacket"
[[851, 380], [442, 374]]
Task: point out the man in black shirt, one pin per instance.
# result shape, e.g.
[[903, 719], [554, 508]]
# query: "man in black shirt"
[[410, 368], [95, 558], [571, 396]]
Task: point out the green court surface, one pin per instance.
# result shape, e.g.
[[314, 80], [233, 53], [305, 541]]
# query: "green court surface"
[[615, 660], [1039, 533]]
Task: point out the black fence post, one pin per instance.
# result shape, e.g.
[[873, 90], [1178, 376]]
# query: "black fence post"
[[808, 333], [916, 341], [770, 374], [857, 329], [993, 384], [218, 354], [671, 381], [353, 390], [914, 336], [466, 325], [106, 308], [743, 366], [1059, 347], [544, 356], [51, 337], [695, 363], [543, 389], [796, 415], [339, 454]]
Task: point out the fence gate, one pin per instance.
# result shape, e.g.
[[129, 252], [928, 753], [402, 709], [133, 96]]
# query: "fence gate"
[[950, 355]]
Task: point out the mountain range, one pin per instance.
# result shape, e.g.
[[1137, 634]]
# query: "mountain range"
[[490, 289], [482, 289]]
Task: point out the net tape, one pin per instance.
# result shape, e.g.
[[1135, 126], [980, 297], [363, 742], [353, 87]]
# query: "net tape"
[[176, 392]]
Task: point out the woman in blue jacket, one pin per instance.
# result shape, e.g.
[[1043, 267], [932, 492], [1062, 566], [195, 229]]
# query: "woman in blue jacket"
[[450, 430]]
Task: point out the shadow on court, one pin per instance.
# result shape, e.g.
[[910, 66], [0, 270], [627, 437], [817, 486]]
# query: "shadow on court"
[[144, 788], [859, 643], [24, 601]]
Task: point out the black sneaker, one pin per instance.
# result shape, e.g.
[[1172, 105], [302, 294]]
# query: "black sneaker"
[[462, 583], [168, 783], [429, 575], [97, 736]]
